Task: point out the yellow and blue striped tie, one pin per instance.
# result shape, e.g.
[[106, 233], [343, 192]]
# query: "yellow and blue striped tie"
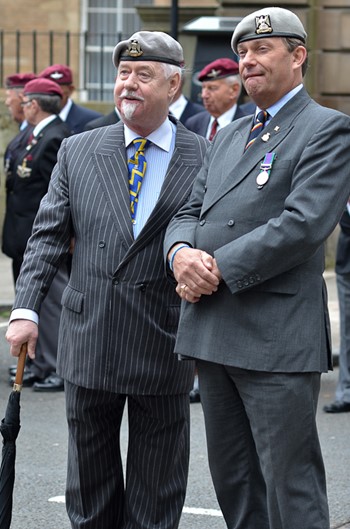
[[137, 167]]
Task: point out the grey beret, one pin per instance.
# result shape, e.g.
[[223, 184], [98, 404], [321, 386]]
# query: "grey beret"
[[268, 22], [149, 46]]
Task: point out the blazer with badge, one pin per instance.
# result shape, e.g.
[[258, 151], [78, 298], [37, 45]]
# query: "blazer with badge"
[[270, 312], [120, 312], [26, 185], [16, 145]]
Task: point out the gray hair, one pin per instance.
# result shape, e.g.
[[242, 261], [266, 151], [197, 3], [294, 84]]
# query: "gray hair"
[[49, 103], [171, 69]]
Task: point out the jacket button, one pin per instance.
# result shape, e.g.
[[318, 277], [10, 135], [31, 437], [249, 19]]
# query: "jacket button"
[[239, 284], [115, 281], [101, 244], [231, 222], [202, 222], [142, 287]]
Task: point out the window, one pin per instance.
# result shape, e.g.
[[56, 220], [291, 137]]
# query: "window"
[[105, 23]]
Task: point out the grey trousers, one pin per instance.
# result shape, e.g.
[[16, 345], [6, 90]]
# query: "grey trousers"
[[263, 447]]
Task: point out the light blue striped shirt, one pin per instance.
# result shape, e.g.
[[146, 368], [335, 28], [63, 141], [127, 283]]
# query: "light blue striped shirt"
[[158, 155]]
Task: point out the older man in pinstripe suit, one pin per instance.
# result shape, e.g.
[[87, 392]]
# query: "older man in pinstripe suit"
[[120, 312]]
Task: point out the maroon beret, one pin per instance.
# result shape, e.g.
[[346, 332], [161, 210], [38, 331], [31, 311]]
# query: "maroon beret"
[[42, 87], [18, 80], [218, 69], [60, 73]]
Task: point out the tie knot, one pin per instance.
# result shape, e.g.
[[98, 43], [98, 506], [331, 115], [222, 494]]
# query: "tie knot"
[[262, 116], [141, 144]]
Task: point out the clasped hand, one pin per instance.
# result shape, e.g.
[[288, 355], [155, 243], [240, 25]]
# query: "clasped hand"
[[196, 273]]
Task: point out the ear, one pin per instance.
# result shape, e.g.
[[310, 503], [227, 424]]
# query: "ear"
[[235, 89], [299, 56], [175, 82]]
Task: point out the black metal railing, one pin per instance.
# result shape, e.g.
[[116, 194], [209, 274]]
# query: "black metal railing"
[[88, 54]]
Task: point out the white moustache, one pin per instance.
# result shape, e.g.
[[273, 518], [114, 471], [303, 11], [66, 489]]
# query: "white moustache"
[[127, 94]]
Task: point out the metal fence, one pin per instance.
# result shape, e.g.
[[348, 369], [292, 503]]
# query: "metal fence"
[[88, 54]]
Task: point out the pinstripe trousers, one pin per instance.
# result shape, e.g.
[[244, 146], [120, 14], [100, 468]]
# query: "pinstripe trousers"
[[157, 460]]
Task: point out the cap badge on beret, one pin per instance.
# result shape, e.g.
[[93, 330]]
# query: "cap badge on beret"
[[56, 75], [263, 24], [134, 49], [214, 73]]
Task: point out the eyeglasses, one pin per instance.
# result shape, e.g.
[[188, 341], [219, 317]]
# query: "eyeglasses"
[[24, 103]]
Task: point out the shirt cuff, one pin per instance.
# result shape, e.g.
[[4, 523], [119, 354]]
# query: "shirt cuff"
[[24, 314]]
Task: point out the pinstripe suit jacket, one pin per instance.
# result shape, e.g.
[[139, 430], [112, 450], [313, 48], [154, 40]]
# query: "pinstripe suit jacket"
[[120, 312]]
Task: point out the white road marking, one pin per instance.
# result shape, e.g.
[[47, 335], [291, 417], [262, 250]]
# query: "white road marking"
[[186, 510]]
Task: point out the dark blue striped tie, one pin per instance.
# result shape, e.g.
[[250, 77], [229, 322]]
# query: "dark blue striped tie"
[[258, 126]]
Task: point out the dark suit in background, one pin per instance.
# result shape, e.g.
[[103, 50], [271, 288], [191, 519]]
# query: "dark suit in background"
[[120, 312], [342, 269], [200, 122], [78, 116], [27, 183], [103, 121]]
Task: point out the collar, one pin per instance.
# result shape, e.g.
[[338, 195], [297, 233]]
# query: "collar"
[[178, 106], [273, 109], [65, 110], [225, 118], [43, 123], [161, 137]]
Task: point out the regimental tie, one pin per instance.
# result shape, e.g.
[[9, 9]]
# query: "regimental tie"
[[258, 126], [137, 167], [214, 129]]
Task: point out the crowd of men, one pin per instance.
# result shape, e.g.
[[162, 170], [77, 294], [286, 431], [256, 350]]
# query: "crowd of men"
[[191, 246]]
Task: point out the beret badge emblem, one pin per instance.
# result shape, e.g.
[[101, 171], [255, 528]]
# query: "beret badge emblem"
[[263, 24], [134, 49]]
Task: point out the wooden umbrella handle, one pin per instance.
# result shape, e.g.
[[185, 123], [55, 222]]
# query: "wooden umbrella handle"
[[20, 367]]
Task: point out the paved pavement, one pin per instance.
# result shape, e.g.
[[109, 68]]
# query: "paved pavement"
[[42, 442]]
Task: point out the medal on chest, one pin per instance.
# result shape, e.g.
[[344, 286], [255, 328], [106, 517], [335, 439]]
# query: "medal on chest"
[[265, 169]]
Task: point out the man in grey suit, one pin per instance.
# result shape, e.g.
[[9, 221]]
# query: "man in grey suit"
[[120, 312], [247, 251]]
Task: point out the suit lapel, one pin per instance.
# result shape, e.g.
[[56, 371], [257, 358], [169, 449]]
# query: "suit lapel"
[[112, 171], [273, 134]]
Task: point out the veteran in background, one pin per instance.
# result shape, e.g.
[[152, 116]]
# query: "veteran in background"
[[221, 88], [75, 116]]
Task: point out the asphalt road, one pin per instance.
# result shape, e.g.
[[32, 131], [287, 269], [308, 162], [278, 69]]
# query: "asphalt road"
[[41, 460]]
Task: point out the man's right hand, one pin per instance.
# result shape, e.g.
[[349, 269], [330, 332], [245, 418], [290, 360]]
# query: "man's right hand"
[[20, 332], [196, 272]]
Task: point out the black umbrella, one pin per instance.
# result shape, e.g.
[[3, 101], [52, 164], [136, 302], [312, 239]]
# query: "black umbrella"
[[9, 429]]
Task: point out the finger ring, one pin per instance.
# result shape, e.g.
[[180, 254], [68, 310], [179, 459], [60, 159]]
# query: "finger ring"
[[183, 288]]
